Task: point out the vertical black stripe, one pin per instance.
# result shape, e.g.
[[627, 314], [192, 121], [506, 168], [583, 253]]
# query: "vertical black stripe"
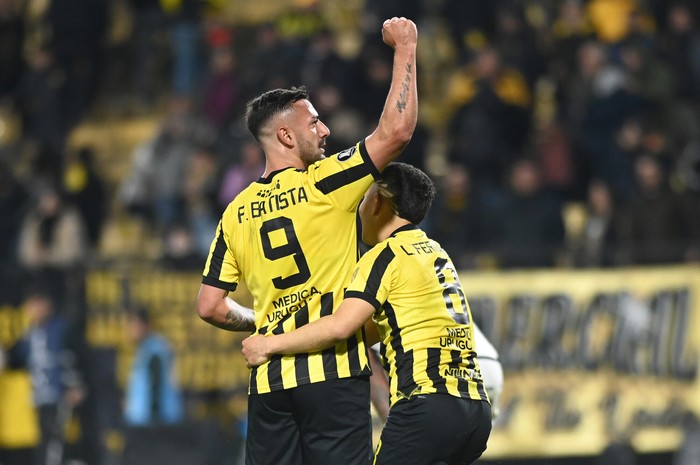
[[330, 364], [254, 380], [274, 371], [354, 354], [455, 364], [301, 361], [254, 373], [479, 384], [382, 354], [404, 361], [217, 256], [432, 369], [274, 366], [405, 382], [482, 392], [379, 267]]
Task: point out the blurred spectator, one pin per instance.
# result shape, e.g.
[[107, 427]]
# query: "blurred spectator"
[[154, 189], [53, 243], [372, 81], [657, 226], [201, 211], [87, 191], [492, 118], [76, 46], [14, 201], [239, 174], [469, 22], [529, 229], [270, 63], [220, 99], [687, 167], [457, 217], [323, 65], [569, 31], [616, 166], [12, 35], [648, 75], [689, 451], [596, 245], [186, 43], [152, 399], [40, 101], [680, 44], [610, 18], [149, 25], [180, 251], [598, 102], [48, 352], [152, 396], [558, 159], [516, 41]]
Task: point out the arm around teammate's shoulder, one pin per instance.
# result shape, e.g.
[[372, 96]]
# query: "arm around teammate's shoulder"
[[400, 114]]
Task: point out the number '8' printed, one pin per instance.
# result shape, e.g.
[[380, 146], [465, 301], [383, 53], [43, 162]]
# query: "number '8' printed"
[[451, 289], [291, 248]]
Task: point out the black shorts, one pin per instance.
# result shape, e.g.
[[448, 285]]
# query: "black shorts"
[[434, 429], [315, 424]]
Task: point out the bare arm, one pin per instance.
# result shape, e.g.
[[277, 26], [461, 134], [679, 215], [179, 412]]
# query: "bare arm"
[[379, 386], [322, 333], [216, 308], [400, 114]]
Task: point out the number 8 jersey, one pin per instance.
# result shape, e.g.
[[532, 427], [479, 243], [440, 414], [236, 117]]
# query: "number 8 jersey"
[[424, 321], [292, 237]]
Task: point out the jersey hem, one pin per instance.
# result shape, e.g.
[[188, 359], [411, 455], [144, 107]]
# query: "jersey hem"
[[369, 298], [209, 281], [304, 381]]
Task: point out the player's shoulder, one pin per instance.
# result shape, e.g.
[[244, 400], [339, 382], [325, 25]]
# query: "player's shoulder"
[[385, 250]]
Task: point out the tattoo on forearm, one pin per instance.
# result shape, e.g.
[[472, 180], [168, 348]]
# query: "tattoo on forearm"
[[401, 103], [236, 321]]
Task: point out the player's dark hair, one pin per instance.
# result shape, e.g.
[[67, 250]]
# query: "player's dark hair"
[[262, 108], [408, 189]]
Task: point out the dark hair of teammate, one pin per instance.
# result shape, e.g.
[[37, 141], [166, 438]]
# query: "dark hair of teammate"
[[409, 190]]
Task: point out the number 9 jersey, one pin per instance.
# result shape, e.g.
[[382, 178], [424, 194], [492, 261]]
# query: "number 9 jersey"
[[292, 237]]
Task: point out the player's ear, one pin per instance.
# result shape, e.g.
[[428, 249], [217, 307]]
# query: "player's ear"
[[378, 201], [285, 136]]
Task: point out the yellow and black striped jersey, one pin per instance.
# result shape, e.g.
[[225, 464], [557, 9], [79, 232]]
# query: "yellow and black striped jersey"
[[292, 237], [424, 321]]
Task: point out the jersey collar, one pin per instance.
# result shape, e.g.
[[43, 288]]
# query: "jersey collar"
[[405, 227], [268, 179]]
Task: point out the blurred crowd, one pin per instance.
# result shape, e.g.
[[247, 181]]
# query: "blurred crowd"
[[559, 133]]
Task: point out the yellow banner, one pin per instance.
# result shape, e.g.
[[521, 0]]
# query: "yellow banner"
[[591, 356], [588, 355]]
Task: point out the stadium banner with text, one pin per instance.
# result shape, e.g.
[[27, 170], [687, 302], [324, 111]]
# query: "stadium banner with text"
[[589, 356]]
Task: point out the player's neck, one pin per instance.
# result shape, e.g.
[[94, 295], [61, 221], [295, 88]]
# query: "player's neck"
[[279, 161], [390, 226]]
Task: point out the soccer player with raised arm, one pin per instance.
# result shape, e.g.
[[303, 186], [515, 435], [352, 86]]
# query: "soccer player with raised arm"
[[440, 412], [292, 237]]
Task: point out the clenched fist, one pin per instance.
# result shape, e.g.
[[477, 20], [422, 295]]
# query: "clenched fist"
[[399, 31]]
